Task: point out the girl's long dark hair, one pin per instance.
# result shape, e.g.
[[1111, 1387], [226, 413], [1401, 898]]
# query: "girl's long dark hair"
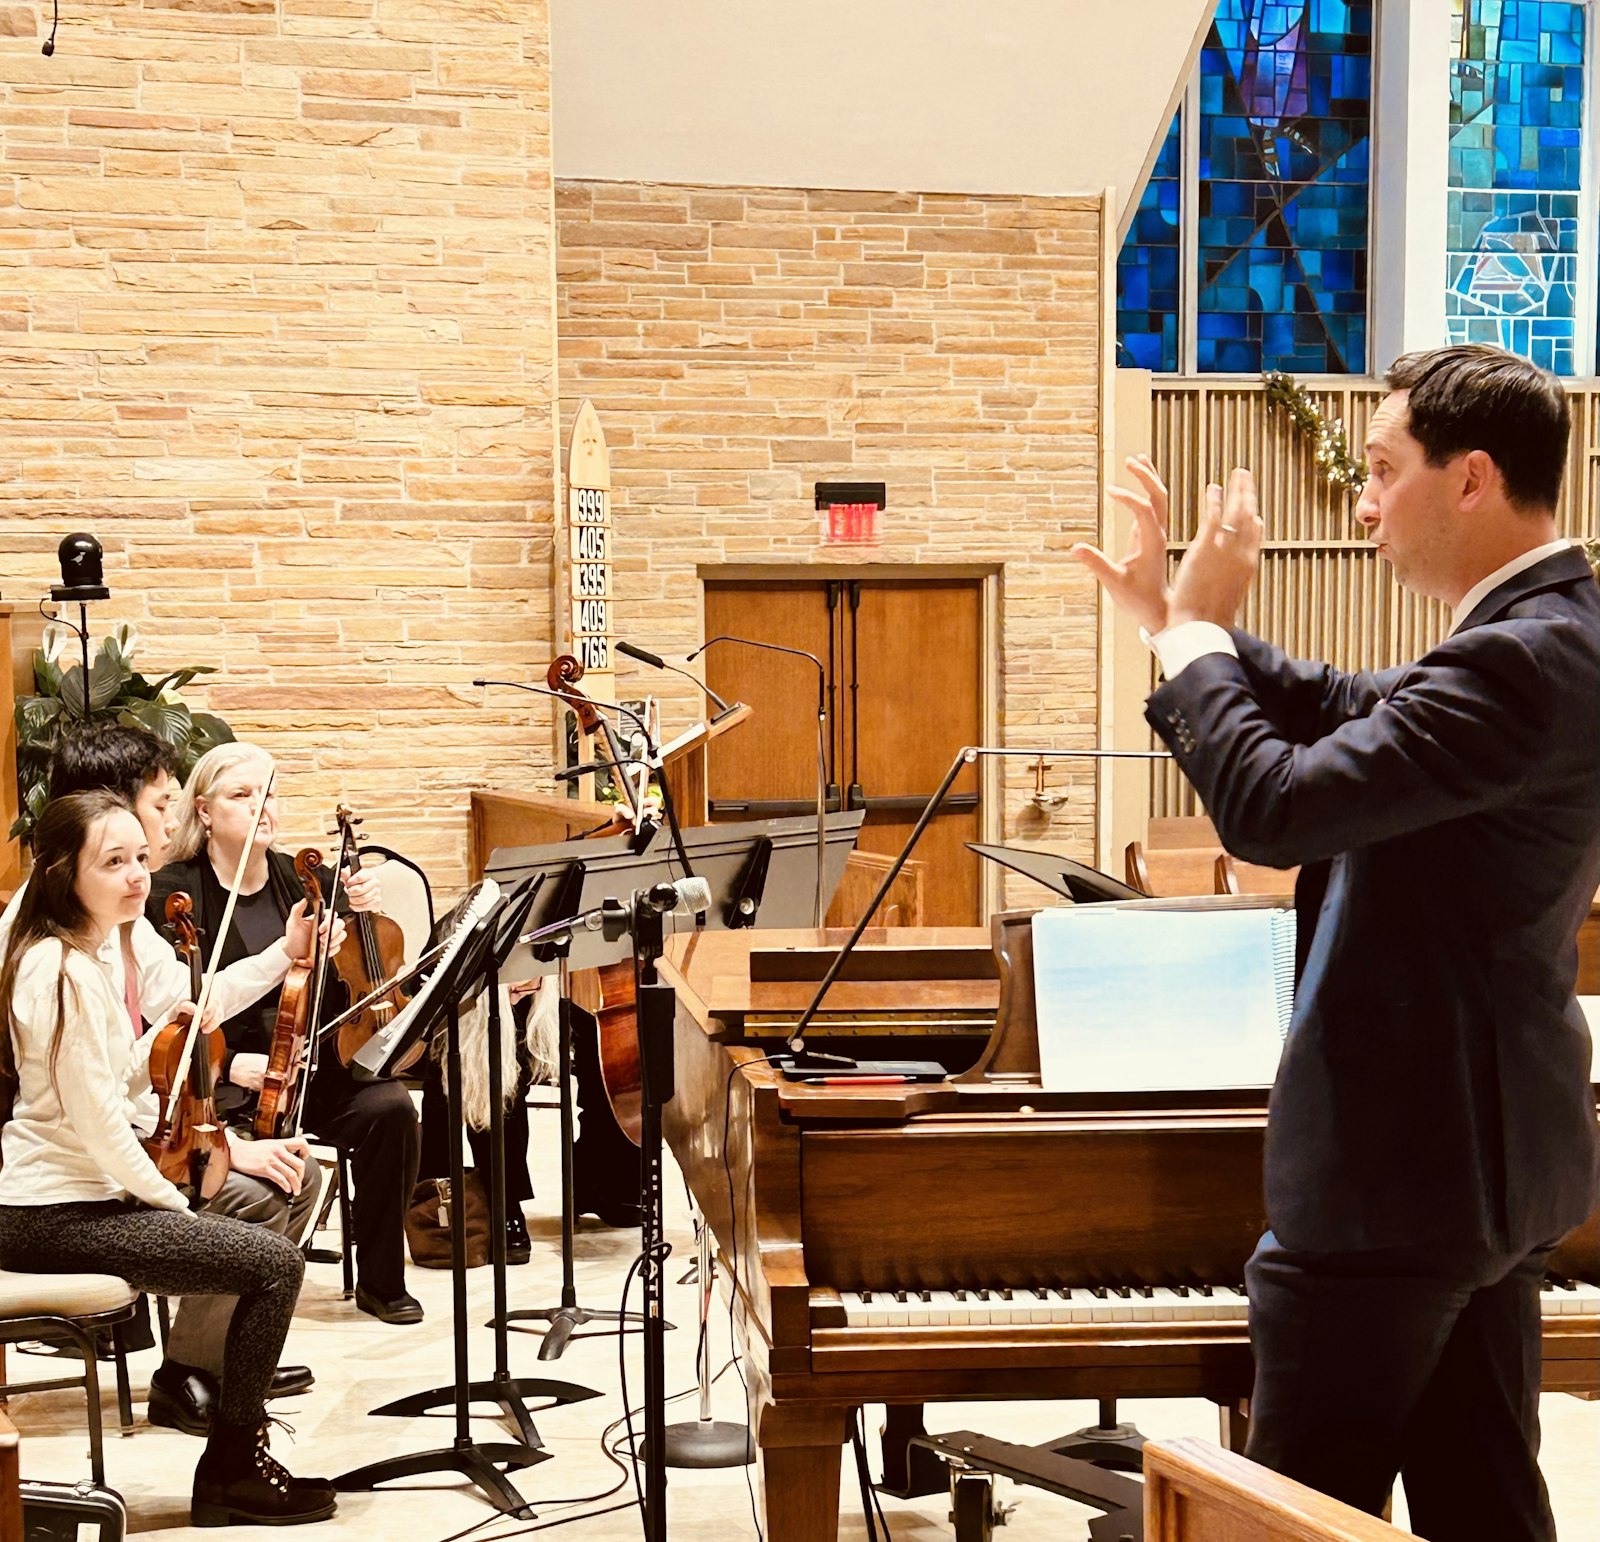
[[50, 908]]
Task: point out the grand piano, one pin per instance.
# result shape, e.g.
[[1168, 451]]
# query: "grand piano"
[[973, 1238]]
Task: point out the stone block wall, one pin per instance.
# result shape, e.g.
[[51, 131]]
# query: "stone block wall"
[[277, 326], [742, 344]]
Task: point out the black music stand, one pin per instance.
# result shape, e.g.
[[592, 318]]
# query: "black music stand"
[[757, 872], [1075, 881], [472, 965]]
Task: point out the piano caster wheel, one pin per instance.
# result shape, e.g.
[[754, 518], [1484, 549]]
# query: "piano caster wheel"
[[972, 1506]]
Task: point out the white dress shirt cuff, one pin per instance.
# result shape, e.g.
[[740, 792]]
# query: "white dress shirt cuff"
[[1177, 647]]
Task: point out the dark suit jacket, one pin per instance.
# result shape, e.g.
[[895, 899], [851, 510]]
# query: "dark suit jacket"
[[1435, 1086]]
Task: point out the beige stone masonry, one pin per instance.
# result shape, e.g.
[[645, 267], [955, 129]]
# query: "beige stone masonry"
[[276, 324], [742, 344]]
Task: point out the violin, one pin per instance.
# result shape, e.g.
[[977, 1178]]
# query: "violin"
[[373, 951], [289, 1063], [189, 1147]]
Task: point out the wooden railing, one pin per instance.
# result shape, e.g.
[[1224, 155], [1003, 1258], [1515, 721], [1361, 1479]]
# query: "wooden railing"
[[1324, 593]]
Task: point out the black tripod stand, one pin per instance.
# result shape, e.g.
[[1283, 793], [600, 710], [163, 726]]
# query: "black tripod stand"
[[566, 1318], [488, 1466]]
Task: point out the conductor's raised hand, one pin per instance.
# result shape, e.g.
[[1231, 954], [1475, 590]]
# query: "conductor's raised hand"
[[1220, 566], [1138, 583]]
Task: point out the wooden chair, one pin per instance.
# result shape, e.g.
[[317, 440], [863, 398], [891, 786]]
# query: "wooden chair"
[[1197, 1492], [1236, 877], [10, 1479], [70, 1306], [1182, 856], [863, 873]]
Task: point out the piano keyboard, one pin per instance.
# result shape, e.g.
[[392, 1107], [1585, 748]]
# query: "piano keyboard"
[[1013, 1306]]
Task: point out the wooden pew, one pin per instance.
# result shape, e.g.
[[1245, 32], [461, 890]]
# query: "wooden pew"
[[1197, 1492]]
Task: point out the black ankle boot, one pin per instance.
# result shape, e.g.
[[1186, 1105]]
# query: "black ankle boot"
[[237, 1483]]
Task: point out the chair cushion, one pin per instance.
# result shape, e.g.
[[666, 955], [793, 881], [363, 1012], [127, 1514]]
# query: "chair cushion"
[[61, 1295]]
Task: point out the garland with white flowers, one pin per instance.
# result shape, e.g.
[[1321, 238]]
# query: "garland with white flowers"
[[1330, 444]]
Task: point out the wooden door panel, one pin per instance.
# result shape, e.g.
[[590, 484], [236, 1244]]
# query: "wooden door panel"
[[774, 755], [917, 655]]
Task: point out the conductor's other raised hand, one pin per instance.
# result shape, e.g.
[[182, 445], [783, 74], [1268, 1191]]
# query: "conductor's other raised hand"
[[1220, 566], [1138, 583]]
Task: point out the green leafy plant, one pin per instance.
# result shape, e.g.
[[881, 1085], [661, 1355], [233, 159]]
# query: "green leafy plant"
[[117, 693]]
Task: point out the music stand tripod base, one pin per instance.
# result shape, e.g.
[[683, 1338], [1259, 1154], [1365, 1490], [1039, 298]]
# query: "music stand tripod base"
[[488, 1466], [506, 1395]]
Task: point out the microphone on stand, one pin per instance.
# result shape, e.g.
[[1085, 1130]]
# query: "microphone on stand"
[[605, 706], [655, 661], [822, 747]]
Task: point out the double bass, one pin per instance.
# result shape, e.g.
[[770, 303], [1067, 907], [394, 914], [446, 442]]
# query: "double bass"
[[189, 1147]]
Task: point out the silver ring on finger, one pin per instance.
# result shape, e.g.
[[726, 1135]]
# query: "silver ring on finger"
[[1230, 529]]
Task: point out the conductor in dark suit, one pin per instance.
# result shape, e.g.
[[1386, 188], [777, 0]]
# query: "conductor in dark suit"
[[1432, 1132]]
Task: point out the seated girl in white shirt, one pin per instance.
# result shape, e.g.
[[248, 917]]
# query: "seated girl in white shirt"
[[78, 1192]]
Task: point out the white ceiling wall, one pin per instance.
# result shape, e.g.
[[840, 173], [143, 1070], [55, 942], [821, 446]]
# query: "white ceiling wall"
[[987, 96]]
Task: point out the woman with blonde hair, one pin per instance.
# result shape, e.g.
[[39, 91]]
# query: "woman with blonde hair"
[[375, 1121], [78, 1194]]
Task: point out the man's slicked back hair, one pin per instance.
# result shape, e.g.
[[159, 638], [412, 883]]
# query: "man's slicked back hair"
[[1473, 397]]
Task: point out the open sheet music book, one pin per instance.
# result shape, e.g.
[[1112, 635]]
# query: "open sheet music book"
[[1133, 999]]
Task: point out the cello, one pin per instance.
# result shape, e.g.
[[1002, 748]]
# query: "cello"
[[189, 1147], [615, 1015], [293, 1055]]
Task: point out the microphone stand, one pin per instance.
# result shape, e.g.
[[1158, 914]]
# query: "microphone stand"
[[822, 752], [964, 757]]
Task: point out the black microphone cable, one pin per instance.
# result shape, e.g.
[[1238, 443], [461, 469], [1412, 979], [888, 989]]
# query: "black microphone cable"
[[55, 21]]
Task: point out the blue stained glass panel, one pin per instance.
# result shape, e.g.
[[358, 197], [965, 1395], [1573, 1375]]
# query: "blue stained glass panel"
[[1148, 280], [1285, 131], [1516, 162]]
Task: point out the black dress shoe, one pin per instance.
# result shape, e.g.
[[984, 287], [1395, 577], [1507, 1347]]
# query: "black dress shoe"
[[519, 1246], [182, 1398], [290, 1381], [402, 1309]]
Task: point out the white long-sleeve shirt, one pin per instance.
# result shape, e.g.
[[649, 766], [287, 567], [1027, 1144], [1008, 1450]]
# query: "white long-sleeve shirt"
[[70, 1136], [163, 982]]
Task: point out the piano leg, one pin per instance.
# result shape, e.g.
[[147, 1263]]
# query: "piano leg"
[[801, 1452], [1234, 1424], [909, 1471]]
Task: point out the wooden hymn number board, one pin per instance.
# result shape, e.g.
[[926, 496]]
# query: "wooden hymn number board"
[[589, 557]]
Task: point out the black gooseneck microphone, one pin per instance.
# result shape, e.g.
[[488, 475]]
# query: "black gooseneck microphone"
[[655, 661], [55, 21]]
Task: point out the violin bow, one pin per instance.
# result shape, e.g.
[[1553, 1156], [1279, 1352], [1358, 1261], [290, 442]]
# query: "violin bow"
[[222, 930]]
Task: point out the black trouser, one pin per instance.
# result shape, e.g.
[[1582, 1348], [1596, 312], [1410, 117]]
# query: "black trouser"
[[173, 1254], [376, 1123], [1418, 1362], [435, 1162]]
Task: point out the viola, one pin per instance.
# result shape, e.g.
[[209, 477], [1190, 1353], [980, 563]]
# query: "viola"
[[289, 1063], [373, 951], [189, 1147]]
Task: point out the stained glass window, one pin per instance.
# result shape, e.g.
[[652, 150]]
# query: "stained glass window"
[[1148, 286], [1285, 131], [1516, 111]]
